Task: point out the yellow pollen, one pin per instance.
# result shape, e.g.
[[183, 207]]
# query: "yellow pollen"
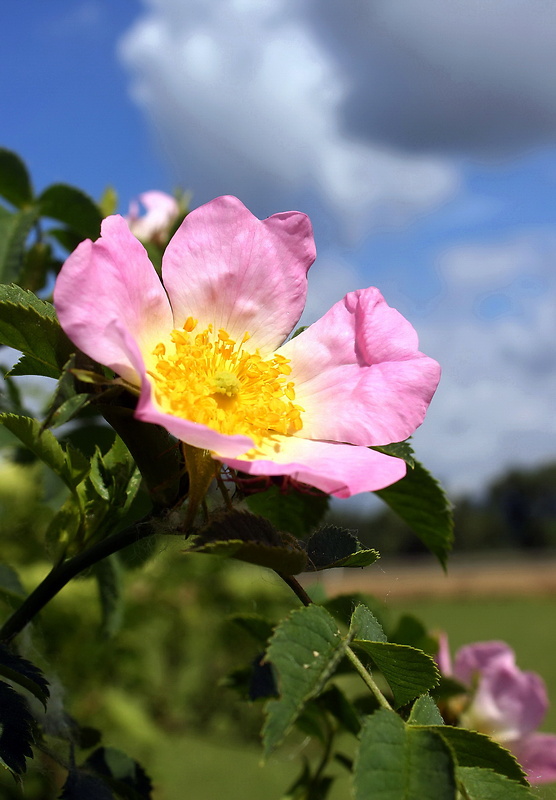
[[208, 377]]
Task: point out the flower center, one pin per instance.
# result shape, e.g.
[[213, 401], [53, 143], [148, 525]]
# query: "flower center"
[[211, 379]]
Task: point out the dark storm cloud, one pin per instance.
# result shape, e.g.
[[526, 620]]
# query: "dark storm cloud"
[[448, 77]]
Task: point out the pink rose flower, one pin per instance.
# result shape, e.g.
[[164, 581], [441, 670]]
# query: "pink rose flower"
[[162, 210], [506, 703], [208, 354]]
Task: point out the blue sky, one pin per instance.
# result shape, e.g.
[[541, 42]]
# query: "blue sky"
[[420, 138]]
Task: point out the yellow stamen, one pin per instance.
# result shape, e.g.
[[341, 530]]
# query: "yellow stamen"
[[207, 378]]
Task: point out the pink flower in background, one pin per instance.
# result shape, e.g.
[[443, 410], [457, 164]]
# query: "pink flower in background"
[[162, 210], [208, 354], [506, 703]]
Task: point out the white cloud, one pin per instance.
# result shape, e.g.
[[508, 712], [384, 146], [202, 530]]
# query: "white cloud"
[[245, 98], [495, 404]]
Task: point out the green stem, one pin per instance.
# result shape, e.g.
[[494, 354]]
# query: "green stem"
[[64, 571], [296, 587], [368, 678]]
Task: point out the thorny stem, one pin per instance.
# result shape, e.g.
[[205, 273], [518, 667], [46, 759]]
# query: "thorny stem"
[[296, 587], [63, 572]]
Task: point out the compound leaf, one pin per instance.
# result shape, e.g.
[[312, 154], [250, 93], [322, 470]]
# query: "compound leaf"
[[304, 650], [396, 761]]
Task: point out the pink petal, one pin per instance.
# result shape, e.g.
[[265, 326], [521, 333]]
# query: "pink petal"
[[473, 659], [359, 375], [338, 469], [112, 281], [443, 658], [537, 755], [226, 267], [515, 701]]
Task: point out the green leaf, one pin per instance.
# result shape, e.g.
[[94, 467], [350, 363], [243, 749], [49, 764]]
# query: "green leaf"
[[472, 749], [400, 762], [411, 630], [73, 207], [256, 626], [69, 239], [251, 538], [69, 409], [30, 325], [343, 605], [108, 203], [11, 588], [337, 704], [15, 183], [299, 330], [38, 260], [80, 785], [304, 650], [65, 526], [337, 547], [421, 502], [312, 722], [425, 712], [25, 674], [16, 730], [409, 672], [70, 465], [485, 784], [126, 776], [108, 574], [62, 404], [14, 230], [295, 512], [364, 625], [401, 450]]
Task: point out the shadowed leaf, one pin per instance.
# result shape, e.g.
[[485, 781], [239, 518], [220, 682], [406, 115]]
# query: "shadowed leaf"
[[296, 512], [422, 503], [15, 183], [251, 538], [25, 674], [14, 231], [16, 730], [337, 547], [73, 207], [472, 749]]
